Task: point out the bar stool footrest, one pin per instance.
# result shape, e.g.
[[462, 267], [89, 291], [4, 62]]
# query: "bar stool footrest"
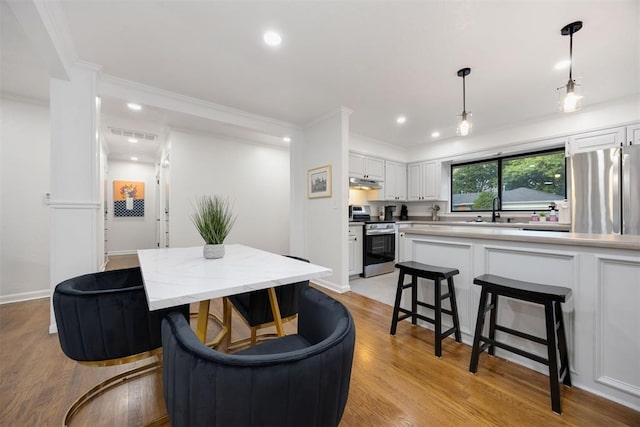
[[448, 332], [515, 350], [521, 334]]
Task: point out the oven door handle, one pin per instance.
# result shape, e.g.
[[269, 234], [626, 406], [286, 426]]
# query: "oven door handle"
[[379, 232]]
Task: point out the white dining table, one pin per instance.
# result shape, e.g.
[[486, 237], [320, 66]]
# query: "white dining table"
[[177, 276]]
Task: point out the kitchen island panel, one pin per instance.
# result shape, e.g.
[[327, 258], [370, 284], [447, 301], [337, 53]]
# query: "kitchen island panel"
[[453, 255], [602, 317], [617, 323], [533, 264]]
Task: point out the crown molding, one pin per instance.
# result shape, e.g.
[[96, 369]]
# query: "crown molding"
[[147, 95], [341, 110], [231, 138]]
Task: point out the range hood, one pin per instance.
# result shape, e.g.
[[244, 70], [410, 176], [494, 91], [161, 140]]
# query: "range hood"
[[364, 184]]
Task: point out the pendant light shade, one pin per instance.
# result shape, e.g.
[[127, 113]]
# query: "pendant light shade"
[[464, 119], [570, 95]]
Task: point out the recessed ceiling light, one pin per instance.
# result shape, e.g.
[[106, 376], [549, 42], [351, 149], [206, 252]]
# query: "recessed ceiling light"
[[134, 159], [435, 134], [271, 38], [134, 107], [401, 120], [561, 65], [132, 140], [287, 139]]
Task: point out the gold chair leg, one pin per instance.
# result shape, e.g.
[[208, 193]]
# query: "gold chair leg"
[[106, 385]]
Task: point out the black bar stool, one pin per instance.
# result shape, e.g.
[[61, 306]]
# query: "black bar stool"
[[437, 274], [549, 296]]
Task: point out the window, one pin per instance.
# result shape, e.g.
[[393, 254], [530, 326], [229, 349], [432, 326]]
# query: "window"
[[530, 181]]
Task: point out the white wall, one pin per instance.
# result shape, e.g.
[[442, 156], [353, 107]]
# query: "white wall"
[[24, 218], [373, 147], [521, 135], [323, 233], [127, 234], [254, 176]]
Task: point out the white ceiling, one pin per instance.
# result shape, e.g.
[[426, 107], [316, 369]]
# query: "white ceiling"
[[380, 59]]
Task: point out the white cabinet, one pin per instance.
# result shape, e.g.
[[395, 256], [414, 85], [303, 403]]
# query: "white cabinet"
[[425, 181], [596, 140], [356, 250], [362, 166], [395, 181], [633, 134]]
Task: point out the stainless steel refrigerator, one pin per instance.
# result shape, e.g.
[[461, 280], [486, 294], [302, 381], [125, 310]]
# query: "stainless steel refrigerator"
[[605, 191]]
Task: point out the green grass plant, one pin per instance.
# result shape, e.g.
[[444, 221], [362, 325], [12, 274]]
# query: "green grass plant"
[[213, 217]]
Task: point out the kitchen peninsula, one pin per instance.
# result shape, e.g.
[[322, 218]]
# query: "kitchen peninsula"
[[602, 316]]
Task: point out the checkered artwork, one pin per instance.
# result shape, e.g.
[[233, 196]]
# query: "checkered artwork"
[[120, 208], [128, 198]]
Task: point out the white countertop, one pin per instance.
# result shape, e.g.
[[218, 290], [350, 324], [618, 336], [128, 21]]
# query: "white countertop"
[[543, 225], [574, 239], [176, 276], [546, 225]]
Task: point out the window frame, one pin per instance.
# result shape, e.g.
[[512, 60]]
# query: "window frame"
[[500, 160]]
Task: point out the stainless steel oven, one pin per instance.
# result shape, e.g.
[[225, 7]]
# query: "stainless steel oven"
[[379, 248]]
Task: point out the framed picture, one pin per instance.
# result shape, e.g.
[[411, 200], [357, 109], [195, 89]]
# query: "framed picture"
[[128, 198], [319, 182]]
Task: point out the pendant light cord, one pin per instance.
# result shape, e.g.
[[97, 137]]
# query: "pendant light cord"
[[571, 55], [464, 107]]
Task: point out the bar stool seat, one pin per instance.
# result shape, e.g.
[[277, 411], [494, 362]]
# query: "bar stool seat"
[[551, 297], [437, 274]]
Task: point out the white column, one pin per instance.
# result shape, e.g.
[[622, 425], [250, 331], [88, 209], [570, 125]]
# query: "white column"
[[75, 173]]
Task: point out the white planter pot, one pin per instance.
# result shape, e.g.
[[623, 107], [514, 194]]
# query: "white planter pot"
[[213, 251]]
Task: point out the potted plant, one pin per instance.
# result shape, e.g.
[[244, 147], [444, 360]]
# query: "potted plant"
[[213, 218]]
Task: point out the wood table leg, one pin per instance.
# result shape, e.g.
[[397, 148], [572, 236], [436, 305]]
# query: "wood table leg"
[[203, 320], [275, 309]]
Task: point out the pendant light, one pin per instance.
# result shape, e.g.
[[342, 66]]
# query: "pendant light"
[[464, 121], [570, 95]]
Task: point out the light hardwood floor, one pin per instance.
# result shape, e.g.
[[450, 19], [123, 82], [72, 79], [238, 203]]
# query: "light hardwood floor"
[[396, 381]]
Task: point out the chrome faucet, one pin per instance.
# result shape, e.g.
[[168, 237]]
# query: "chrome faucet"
[[494, 214]]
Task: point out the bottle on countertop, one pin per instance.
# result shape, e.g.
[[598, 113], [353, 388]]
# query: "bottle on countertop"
[[535, 217], [553, 215]]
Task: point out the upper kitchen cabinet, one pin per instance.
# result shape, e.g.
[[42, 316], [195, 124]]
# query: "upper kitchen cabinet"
[[425, 181], [362, 166], [596, 140], [395, 181], [633, 134]]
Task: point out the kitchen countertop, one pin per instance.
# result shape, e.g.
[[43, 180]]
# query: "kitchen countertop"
[[550, 226], [546, 225], [611, 241]]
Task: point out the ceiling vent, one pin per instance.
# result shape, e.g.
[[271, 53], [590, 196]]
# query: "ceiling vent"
[[133, 134]]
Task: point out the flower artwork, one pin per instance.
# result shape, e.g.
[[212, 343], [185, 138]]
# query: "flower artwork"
[[128, 191], [128, 198]]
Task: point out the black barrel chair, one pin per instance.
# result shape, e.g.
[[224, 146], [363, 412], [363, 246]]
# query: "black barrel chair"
[[255, 309], [103, 320], [296, 380]]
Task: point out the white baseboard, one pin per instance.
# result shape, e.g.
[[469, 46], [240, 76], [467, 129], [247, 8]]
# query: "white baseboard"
[[332, 286], [24, 296], [133, 252]]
